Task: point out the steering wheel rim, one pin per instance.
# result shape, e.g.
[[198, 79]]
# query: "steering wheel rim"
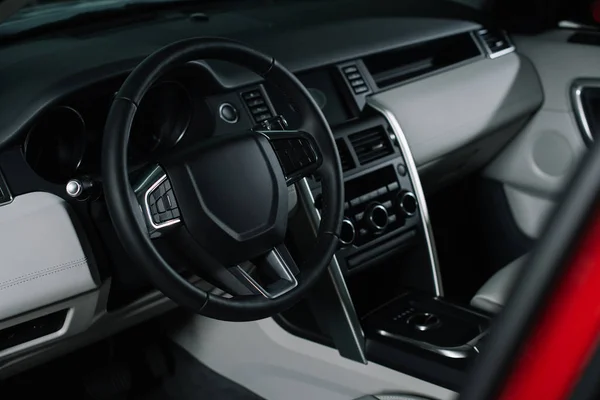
[[123, 206]]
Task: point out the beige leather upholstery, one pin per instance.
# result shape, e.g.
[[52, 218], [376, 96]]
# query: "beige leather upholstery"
[[493, 294]]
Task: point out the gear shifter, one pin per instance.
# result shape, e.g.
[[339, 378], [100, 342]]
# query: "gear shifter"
[[423, 321]]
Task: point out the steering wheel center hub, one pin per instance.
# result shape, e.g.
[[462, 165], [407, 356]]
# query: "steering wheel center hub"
[[233, 197]]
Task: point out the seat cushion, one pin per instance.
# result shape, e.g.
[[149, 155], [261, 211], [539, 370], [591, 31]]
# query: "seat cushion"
[[492, 296]]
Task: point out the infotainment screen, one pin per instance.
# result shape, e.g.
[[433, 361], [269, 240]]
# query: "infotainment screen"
[[324, 89]]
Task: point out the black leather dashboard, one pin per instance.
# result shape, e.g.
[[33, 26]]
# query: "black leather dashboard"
[[456, 115], [36, 74]]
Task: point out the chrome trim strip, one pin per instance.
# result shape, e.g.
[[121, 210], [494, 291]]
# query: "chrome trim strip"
[[283, 268], [413, 173], [465, 351], [336, 274], [501, 53], [497, 54], [8, 194], [576, 92], [566, 24]]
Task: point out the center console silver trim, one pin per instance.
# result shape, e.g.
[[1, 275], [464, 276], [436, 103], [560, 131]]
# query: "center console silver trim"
[[335, 272], [465, 351], [418, 190]]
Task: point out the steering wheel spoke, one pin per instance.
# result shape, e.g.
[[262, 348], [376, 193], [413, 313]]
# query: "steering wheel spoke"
[[157, 200], [297, 152], [276, 266]]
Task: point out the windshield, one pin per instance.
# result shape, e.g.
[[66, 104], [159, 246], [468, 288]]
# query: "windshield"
[[28, 16], [32, 8], [35, 8]]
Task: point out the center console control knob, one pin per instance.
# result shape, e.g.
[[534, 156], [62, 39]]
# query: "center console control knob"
[[423, 321], [377, 217], [408, 203], [348, 233]]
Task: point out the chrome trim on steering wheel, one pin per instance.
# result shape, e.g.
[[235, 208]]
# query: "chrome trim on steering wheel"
[[160, 225], [282, 270], [154, 179]]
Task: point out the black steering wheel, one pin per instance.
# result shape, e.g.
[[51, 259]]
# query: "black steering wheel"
[[225, 200]]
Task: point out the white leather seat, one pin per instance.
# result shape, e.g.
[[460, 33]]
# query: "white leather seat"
[[492, 296]]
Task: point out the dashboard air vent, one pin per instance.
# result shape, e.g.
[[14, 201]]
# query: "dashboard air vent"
[[257, 105], [371, 145], [496, 42], [399, 65], [345, 156], [355, 79]]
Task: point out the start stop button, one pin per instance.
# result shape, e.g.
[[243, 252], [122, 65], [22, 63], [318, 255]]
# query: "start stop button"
[[228, 113]]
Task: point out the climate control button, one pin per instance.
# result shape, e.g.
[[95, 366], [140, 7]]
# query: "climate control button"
[[348, 233], [408, 203], [376, 217]]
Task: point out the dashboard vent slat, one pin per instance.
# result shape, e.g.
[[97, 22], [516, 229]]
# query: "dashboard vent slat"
[[257, 105], [371, 145], [355, 79], [496, 42], [345, 156]]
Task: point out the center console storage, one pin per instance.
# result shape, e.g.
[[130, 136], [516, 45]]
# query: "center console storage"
[[429, 323], [426, 337]]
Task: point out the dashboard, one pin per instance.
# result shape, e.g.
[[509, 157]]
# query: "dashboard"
[[64, 141], [456, 109]]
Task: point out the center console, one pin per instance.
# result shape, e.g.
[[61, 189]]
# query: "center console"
[[429, 323], [383, 299], [427, 337], [381, 209]]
